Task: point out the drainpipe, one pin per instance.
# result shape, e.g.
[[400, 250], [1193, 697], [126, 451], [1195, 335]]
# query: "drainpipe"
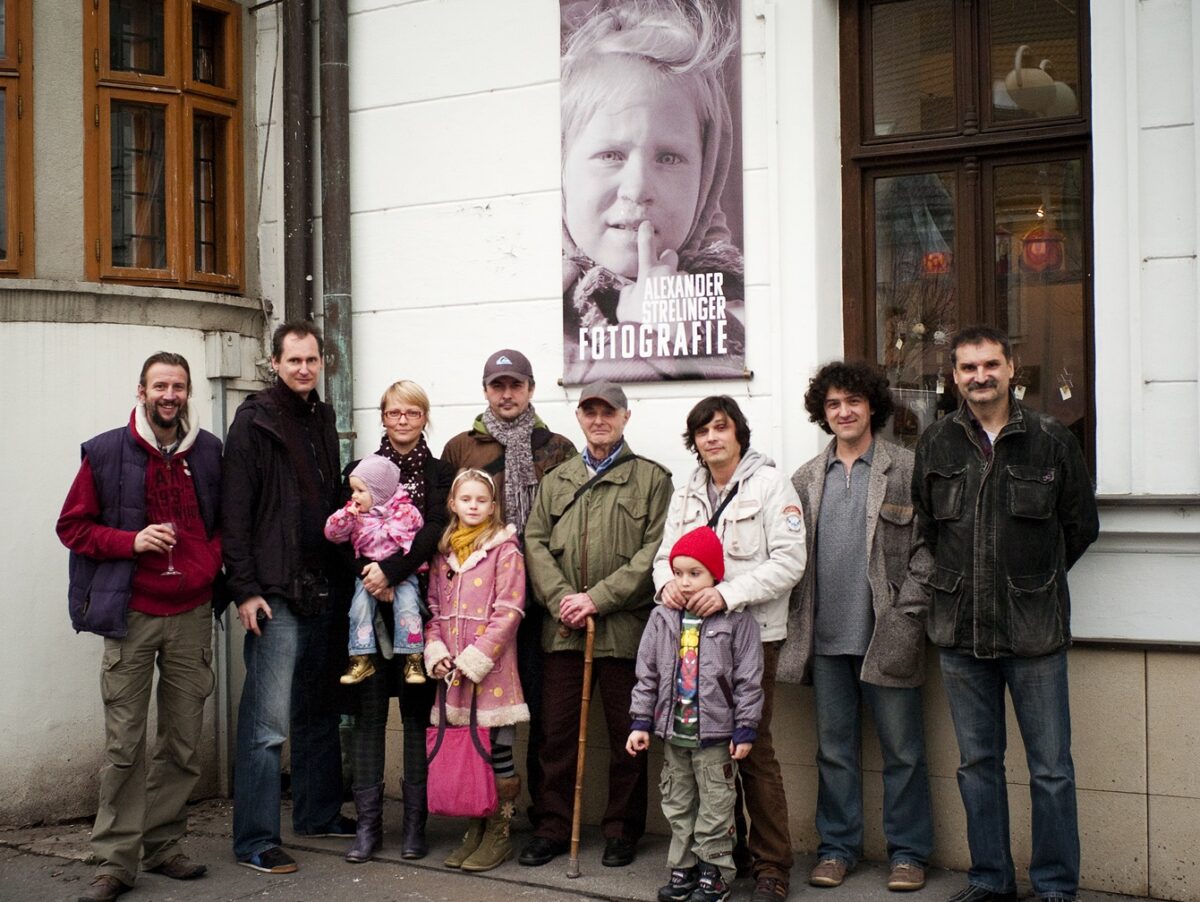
[[297, 162], [335, 218]]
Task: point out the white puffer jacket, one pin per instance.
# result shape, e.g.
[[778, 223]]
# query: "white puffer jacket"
[[762, 532]]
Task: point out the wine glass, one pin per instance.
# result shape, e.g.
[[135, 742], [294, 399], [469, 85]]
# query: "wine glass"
[[171, 571]]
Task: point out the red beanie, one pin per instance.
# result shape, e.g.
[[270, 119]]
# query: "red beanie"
[[703, 545]]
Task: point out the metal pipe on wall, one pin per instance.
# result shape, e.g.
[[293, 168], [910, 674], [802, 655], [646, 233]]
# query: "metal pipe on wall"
[[297, 162], [335, 217]]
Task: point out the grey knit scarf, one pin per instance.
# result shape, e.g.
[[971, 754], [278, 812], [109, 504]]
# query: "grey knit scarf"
[[520, 478]]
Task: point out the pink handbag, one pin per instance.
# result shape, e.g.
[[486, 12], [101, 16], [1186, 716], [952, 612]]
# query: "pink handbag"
[[460, 782]]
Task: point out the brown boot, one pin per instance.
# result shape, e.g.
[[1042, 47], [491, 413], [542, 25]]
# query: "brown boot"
[[495, 847], [470, 842]]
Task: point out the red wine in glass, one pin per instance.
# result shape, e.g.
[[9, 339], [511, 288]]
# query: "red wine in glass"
[[171, 571]]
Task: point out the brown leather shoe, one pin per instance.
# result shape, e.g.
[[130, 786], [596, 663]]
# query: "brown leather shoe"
[[770, 889], [906, 877], [180, 867], [828, 872], [104, 888]]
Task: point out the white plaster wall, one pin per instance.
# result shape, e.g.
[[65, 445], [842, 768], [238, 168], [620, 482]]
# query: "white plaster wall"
[[455, 222], [63, 384]]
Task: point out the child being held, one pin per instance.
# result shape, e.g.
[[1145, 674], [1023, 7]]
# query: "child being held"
[[700, 689], [379, 520]]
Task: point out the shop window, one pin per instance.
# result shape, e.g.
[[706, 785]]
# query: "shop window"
[[967, 166], [163, 174], [16, 140]]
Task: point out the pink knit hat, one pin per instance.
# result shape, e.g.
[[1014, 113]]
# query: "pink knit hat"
[[379, 475], [703, 545]]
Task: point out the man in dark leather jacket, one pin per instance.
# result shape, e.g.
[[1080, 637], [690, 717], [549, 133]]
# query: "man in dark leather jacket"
[[1005, 505]]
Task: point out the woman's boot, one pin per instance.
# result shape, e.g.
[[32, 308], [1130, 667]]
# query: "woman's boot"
[[496, 846], [416, 811], [470, 842], [369, 837]]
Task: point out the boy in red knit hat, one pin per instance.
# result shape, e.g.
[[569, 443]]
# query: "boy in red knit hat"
[[700, 689]]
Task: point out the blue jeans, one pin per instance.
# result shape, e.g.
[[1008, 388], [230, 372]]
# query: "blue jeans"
[[1038, 686], [907, 817], [289, 682], [409, 637]]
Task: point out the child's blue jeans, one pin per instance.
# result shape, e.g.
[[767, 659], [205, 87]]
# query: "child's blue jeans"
[[409, 637]]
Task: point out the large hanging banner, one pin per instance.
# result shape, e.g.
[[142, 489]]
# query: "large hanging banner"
[[653, 278]]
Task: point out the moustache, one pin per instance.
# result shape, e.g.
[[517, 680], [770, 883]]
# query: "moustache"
[[979, 386]]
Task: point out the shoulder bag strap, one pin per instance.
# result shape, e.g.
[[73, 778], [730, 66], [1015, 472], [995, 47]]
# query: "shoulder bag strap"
[[713, 520]]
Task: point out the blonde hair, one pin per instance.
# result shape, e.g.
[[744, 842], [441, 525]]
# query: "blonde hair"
[[674, 41], [406, 392], [495, 522], [685, 44]]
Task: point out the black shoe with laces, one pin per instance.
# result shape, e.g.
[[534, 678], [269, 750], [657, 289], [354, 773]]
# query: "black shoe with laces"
[[618, 852], [539, 851], [683, 882], [342, 828], [711, 886]]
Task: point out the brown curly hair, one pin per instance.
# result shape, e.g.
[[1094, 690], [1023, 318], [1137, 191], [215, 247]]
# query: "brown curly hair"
[[856, 377]]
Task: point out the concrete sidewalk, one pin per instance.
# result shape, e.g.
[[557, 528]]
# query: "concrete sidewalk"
[[50, 863]]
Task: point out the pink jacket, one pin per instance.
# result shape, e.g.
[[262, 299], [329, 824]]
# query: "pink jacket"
[[477, 607], [380, 532]]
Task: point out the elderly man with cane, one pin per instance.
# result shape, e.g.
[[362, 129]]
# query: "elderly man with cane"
[[589, 546]]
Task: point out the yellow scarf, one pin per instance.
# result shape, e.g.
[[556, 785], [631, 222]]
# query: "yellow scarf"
[[462, 540]]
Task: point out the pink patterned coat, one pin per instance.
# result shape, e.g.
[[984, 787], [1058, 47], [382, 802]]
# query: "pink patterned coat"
[[380, 532], [477, 606]]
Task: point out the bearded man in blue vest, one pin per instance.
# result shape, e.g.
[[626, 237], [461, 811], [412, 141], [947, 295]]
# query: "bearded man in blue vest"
[[141, 523]]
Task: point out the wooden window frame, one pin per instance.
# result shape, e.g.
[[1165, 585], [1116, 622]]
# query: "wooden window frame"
[[16, 80], [181, 97], [972, 152]]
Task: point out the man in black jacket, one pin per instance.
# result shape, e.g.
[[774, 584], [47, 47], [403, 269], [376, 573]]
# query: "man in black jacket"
[[280, 483], [1005, 504]]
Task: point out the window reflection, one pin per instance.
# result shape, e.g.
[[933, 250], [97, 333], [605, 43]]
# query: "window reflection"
[[139, 205], [912, 67]]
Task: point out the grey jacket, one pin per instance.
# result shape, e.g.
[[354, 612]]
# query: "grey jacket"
[[896, 654], [730, 673]]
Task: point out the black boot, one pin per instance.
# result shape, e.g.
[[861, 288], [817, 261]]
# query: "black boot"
[[412, 845], [369, 837]]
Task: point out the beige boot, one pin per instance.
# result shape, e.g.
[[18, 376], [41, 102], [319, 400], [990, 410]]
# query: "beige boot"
[[360, 668], [414, 669], [470, 842], [495, 848]]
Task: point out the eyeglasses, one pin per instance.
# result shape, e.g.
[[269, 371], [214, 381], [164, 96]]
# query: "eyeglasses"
[[395, 416]]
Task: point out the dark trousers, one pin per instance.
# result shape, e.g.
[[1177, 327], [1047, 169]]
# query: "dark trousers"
[[529, 669], [562, 694], [762, 785]]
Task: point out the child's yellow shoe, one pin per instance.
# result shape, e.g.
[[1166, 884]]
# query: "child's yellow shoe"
[[414, 671], [360, 668]]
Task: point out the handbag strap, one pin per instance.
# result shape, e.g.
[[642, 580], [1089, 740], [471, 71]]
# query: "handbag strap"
[[712, 521], [579, 492], [474, 727]]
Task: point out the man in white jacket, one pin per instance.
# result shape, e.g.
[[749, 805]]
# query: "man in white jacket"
[[756, 513]]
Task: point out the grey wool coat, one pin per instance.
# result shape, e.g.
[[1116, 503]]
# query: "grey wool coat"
[[897, 575]]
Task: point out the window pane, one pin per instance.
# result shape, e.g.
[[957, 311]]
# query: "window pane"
[[912, 66], [3, 26], [1040, 296], [135, 36], [207, 171], [915, 294], [3, 168], [139, 205], [208, 45], [1034, 59]]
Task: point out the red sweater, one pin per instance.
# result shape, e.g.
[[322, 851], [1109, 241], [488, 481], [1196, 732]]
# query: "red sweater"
[[170, 496]]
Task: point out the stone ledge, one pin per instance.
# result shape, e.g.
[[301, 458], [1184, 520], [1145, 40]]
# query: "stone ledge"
[[51, 301]]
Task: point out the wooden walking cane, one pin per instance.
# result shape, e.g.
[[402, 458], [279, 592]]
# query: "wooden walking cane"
[[581, 755]]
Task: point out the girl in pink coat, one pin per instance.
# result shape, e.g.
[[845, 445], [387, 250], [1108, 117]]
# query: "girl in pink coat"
[[477, 600]]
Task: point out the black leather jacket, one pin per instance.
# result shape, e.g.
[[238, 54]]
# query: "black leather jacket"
[[1003, 532]]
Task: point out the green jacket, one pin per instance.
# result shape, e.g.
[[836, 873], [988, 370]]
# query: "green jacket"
[[604, 543]]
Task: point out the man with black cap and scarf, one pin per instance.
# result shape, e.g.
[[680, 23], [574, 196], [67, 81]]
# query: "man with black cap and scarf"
[[510, 441]]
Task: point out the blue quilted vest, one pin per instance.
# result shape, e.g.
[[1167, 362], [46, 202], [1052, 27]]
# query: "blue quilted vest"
[[98, 593]]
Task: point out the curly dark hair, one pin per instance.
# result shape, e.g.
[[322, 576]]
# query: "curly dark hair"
[[856, 377], [705, 410]]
